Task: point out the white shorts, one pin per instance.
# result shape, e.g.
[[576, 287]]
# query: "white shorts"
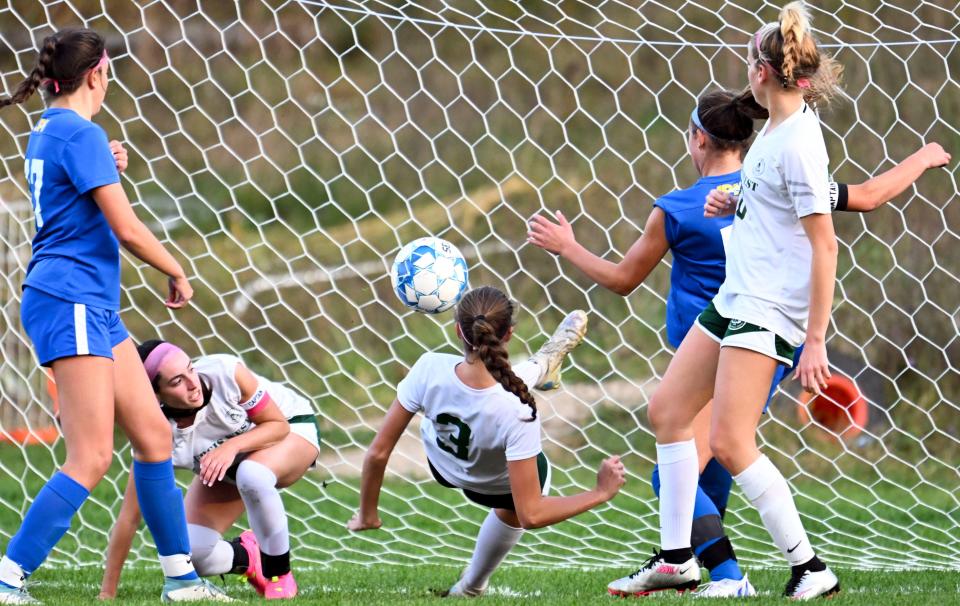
[[305, 426]]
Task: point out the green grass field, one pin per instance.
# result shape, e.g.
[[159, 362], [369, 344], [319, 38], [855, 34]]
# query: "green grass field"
[[428, 533], [512, 585]]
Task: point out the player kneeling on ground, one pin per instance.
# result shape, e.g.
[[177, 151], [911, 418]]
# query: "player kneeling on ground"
[[481, 432], [245, 437]]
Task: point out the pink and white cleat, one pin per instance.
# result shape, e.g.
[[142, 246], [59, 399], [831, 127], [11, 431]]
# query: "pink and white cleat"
[[254, 573], [658, 575], [282, 587]]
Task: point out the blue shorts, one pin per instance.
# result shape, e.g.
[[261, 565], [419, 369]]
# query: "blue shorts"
[[782, 374], [61, 329]]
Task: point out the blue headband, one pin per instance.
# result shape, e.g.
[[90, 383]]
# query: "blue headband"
[[695, 118]]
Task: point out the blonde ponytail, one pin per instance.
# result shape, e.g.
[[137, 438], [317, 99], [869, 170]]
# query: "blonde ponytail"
[[790, 50]]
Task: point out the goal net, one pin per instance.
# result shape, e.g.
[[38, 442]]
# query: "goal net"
[[285, 151]]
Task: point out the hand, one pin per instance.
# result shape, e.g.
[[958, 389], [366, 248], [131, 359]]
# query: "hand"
[[357, 524], [105, 596], [813, 370], [180, 292], [610, 477], [553, 237], [214, 464], [719, 204], [119, 155], [933, 155]]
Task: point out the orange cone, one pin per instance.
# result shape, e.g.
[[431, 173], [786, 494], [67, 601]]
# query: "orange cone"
[[839, 408]]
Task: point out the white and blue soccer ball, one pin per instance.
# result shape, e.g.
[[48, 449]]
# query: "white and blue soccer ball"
[[429, 275]]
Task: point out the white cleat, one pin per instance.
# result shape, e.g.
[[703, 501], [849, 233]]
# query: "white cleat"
[[812, 585], [727, 588], [550, 357], [194, 590], [15, 595], [657, 575]]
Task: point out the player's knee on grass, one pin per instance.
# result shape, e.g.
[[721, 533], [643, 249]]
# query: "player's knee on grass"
[[211, 555]]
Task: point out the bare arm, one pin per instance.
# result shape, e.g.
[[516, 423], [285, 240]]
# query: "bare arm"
[[271, 428], [120, 541], [140, 241], [536, 511], [879, 190], [812, 369], [375, 464], [623, 277]]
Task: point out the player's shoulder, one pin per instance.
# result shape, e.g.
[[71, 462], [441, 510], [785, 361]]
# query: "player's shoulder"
[[434, 360], [693, 197], [217, 365], [65, 124]]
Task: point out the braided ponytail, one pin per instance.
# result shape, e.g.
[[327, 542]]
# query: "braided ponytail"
[[37, 75], [64, 60], [485, 316], [790, 50]]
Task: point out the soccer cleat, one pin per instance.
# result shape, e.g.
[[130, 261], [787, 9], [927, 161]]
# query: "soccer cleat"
[[459, 591], [727, 588], [550, 357], [658, 575], [15, 595], [192, 590], [809, 585], [254, 573], [283, 587]]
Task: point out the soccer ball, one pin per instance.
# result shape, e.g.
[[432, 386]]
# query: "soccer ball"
[[429, 275]]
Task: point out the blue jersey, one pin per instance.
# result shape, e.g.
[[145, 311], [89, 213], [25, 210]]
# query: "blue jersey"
[[699, 260], [76, 256]]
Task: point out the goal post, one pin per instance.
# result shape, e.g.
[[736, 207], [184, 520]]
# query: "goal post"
[[285, 150]]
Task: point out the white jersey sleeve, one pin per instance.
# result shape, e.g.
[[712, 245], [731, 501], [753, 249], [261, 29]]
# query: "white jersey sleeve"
[[410, 389], [523, 440], [806, 176]]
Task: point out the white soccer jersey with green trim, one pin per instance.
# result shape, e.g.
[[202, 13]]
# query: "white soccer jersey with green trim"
[[784, 178], [225, 415], [470, 434]]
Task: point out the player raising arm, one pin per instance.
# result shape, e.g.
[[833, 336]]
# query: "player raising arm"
[[719, 132], [776, 296], [481, 432], [71, 297], [245, 437]]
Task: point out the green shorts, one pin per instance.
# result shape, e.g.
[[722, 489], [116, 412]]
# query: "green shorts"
[[737, 333]]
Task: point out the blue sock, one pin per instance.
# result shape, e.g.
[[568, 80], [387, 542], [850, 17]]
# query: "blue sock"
[[707, 530], [47, 520], [162, 505], [716, 481]]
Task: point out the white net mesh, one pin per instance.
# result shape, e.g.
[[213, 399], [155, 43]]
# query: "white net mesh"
[[286, 150]]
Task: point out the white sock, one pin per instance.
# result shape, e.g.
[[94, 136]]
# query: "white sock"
[[258, 489], [494, 542], [210, 553], [679, 473], [10, 573], [765, 487], [530, 372]]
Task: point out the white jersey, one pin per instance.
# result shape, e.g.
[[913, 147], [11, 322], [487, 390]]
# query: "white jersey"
[[226, 415], [470, 434], [784, 179]]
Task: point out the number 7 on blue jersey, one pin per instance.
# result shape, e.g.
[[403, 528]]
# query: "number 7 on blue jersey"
[[34, 172]]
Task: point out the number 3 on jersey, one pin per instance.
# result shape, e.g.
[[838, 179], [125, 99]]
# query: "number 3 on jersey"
[[459, 443], [34, 173]]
